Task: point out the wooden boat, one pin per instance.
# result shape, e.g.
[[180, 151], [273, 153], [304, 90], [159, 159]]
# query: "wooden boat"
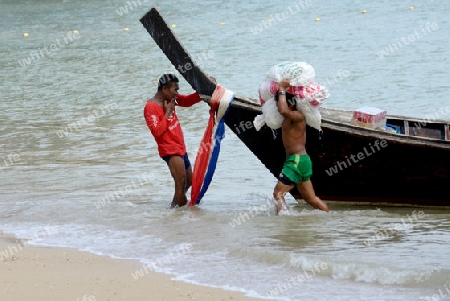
[[350, 163]]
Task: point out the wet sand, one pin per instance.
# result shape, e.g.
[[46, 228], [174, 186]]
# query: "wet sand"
[[44, 273]]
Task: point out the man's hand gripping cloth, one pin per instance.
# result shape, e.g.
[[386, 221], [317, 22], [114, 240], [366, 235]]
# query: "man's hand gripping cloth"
[[208, 152]]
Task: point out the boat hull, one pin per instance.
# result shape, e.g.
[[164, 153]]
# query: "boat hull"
[[355, 165], [350, 164]]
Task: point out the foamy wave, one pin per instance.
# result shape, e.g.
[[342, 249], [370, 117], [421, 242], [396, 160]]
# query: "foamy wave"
[[309, 263], [369, 272], [378, 274]]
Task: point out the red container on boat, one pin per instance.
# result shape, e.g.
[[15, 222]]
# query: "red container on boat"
[[369, 117]]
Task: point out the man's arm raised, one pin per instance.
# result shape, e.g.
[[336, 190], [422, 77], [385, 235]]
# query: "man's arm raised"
[[283, 108]]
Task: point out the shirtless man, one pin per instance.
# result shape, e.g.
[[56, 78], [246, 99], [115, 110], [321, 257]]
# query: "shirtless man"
[[297, 168]]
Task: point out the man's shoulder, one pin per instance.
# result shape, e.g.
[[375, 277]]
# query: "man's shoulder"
[[299, 116], [152, 107], [295, 115], [152, 103]]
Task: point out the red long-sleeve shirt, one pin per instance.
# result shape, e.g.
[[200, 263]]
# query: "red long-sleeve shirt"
[[167, 131]]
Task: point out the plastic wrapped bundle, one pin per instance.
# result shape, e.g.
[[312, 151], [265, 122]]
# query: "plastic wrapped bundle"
[[314, 93], [270, 116], [309, 95], [300, 73], [311, 113], [273, 119], [267, 90]]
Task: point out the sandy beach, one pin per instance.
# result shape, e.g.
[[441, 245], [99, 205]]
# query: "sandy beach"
[[82, 181], [41, 273]]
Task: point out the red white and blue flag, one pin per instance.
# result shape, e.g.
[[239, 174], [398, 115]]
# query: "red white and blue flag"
[[208, 153]]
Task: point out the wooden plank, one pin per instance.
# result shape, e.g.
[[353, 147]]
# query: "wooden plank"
[[157, 27], [406, 125]]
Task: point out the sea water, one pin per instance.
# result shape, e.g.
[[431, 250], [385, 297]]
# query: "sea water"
[[79, 167]]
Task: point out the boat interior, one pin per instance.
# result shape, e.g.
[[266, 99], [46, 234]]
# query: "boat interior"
[[434, 129]]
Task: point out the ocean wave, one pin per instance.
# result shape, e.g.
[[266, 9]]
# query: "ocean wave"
[[338, 269], [374, 273]]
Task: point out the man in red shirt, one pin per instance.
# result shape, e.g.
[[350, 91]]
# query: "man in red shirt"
[[162, 120]]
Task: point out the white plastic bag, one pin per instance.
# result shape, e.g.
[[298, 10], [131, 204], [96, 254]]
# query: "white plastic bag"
[[311, 113], [309, 95], [314, 93], [272, 117], [267, 89], [299, 73]]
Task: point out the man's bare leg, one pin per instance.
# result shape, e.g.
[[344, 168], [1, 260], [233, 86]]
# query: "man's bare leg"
[[176, 166], [307, 191], [279, 192], [188, 179]]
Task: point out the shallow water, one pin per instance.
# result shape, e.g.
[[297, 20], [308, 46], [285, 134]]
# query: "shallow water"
[[54, 177]]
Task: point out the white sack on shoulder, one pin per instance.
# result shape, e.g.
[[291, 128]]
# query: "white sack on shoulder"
[[259, 122], [309, 95], [299, 73], [274, 119], [311, 113], [267, 89], [270, 116]]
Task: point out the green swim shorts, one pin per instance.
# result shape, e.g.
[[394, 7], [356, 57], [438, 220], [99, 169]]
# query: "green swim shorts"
[[296, 169]]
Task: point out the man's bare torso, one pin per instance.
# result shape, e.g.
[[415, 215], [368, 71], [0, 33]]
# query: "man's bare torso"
[[294, 137]]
